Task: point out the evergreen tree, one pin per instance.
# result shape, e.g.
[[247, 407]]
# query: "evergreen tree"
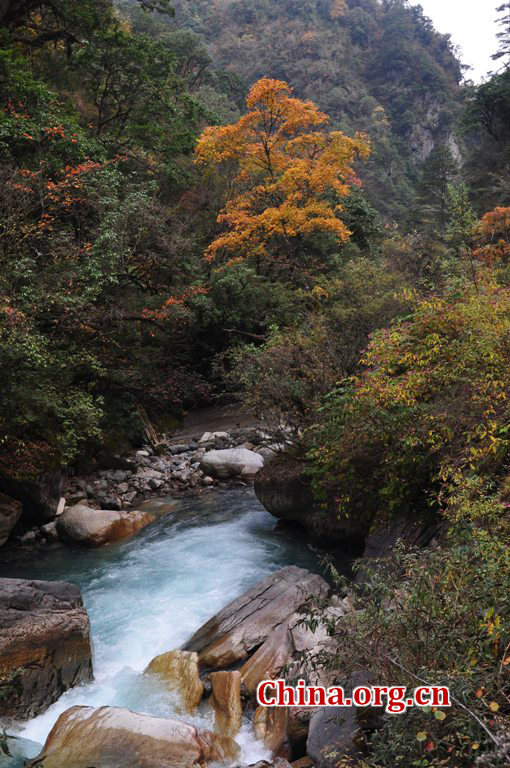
[[439, 170], [503, 36], [461, 218]]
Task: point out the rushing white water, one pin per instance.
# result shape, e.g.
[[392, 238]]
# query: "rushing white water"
[[148, 595]]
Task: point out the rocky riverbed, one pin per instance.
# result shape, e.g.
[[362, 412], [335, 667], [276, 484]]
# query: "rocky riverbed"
[[108, 505], [214, 675]]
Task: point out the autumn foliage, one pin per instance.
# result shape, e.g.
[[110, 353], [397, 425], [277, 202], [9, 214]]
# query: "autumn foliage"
[[289, 176], [494, 236]]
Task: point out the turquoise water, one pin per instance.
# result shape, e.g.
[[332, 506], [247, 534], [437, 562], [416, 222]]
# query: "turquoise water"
[[149, 594]]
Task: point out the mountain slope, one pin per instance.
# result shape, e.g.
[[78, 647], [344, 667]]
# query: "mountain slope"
[[375, 67]]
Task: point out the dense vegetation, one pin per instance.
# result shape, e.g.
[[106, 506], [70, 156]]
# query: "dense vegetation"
[[374, 67], [173, 230]]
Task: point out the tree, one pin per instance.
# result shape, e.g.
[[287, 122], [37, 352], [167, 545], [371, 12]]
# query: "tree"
[[439, 171], [494, 235], [338, 8], [503, 51], [289, 177], [38, 22], [460, 218], [128, 77]]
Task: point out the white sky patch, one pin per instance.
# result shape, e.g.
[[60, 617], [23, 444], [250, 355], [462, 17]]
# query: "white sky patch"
[[472, 25]]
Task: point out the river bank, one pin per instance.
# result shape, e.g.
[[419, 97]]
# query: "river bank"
[[149, 594]]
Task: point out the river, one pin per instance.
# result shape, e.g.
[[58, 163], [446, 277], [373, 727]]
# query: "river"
[[147, 595]]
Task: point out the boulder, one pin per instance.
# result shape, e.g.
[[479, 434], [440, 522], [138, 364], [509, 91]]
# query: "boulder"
[[270, 726], [39, 493], [384, 534], [111, 737], [270, 452], [95, 527], [269, 660], [285, 490], [44, 645], [10, 513], [179, 671], [49, 531], [303, 762], [226, 701], [297, 729], [333, 735], [208, 437], [232, 462], [294, 647], [244, 624]]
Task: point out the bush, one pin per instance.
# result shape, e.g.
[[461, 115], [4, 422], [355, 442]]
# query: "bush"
[[440, 617], [432, 401]]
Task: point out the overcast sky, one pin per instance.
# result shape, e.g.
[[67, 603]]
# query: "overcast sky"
[[471, 24]]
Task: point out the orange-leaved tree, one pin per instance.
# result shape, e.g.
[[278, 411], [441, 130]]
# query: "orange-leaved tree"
[[494, 236], [289, 177]]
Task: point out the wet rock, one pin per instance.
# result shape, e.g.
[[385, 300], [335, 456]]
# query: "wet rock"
[[10, 512], [293, 646], [179, 671], [270, 726], [111, 737], [269, 660], [44, 645], [95, 527], [226, 701], [244, 624], [233, 462]]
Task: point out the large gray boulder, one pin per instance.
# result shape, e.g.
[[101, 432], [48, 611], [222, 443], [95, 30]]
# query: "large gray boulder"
[[44, 644], [333, 734], [285, 489], [232, 462], [243, 625], [10, 512], [96, 527], [111, 737]]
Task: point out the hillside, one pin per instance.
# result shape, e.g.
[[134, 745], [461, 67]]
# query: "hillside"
[[375, 67]]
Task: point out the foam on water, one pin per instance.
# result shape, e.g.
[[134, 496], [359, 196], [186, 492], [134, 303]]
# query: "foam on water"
[[148, 595]]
